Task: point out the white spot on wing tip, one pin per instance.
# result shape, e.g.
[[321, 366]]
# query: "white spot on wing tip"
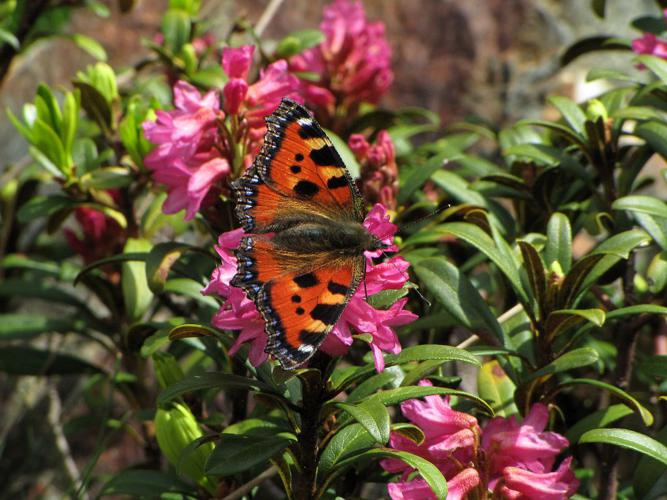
[[306, 348], [305, 122]]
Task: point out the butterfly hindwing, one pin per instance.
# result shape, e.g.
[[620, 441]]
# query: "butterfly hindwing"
[[298, 168], [300, 298]]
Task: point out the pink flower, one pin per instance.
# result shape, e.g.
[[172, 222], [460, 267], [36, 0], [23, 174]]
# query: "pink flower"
[[100, 236], [526, 445], [650, 44], [379, 172], [457, 487], [353, 63], [186, 159], [514, 460], [240, 313], [519, 483], [255, 102]]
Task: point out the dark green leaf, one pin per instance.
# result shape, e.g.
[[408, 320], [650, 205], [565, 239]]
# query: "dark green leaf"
[[432, 352], [655, 64], [136, 294], [576, 358], [649, 470], [598, 7], [600, 418], [237, 453], [570, 111], [160, 259], [400, 394], [145, 483], [421, 173], [17, 325], [655, 366], [106, 178], [211, 380], [646, 415], [592, 44], [655, 134], [176, 26], [561, 320], [535, 269], [348, 441], [24, 360], [559, 242], [458, 295], [373, 415], [643, 204]]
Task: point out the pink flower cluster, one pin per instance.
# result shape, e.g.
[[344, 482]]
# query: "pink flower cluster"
[[239, 313], [650, 44], [198, 144], [379, 172], [512, 460], [352, 64]]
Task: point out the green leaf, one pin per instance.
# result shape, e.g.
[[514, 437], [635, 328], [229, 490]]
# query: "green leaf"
[[96, 105], [496, 388], [426, 469], [136, 294], [160, 259], [145, 483], [386, 298], [598, 7], [10, 38], [631, 440], [42, 206], [655, 64], [87, 44], [562, 320], [656, 274], [124, 257], [237, 453], [400, 394], [22, 326], [349, 160], [190, 288], [535, 269], [559, 242], [176, 26], [47, 141], [655, 366], [390, 375], [458, 296], [643, 204], [576, 358], [421, 173], [348, 441], [24, 360], [432, 352], [373, 415], [655, 134], [70, 121], [106, 178], [298, 41], [570, 111], [475, 236], [649, 470], [212, 380], [600, 418], [622, 244], [646, 415], [566, 132]]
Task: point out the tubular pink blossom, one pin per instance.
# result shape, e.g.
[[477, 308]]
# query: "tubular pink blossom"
[[557, 485], [236, 61]]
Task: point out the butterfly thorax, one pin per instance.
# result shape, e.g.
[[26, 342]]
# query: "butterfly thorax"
[[339, 237]]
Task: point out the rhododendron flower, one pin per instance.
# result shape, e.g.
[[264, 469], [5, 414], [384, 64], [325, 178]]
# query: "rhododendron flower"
[[379, 172], [187, 160], [239, 313], [352, 64], [100, 236], [457, 487], [255, 102], [650, 44], [510, 459]]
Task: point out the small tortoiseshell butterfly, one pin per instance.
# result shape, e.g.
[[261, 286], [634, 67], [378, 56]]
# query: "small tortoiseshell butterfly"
[[303, 256]]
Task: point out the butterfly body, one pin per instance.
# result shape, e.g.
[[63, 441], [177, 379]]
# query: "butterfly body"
[[303, 256]]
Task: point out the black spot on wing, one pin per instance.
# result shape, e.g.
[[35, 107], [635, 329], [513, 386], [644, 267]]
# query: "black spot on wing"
[[306, 189], [296, 298], [326, 156], [337, 182], [337, 288], [327, 313], [306, 280], [300, 310], [298, 157], [295, 169]]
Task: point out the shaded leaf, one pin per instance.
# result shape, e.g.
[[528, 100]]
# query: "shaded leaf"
[[236, 453], [600, 418], [373, 415], [24, 360], [631, 440], [210, 380]]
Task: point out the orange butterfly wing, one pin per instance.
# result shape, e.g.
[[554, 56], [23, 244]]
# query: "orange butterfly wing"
[[298, 169], [297, 177]]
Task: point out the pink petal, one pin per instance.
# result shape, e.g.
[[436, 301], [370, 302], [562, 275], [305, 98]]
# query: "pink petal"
[[236, 62]]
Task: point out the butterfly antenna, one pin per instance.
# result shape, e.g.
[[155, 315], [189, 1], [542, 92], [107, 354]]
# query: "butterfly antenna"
[[428, 302], [427, 216]]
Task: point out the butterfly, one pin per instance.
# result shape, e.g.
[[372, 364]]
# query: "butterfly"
[[302, 258]]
